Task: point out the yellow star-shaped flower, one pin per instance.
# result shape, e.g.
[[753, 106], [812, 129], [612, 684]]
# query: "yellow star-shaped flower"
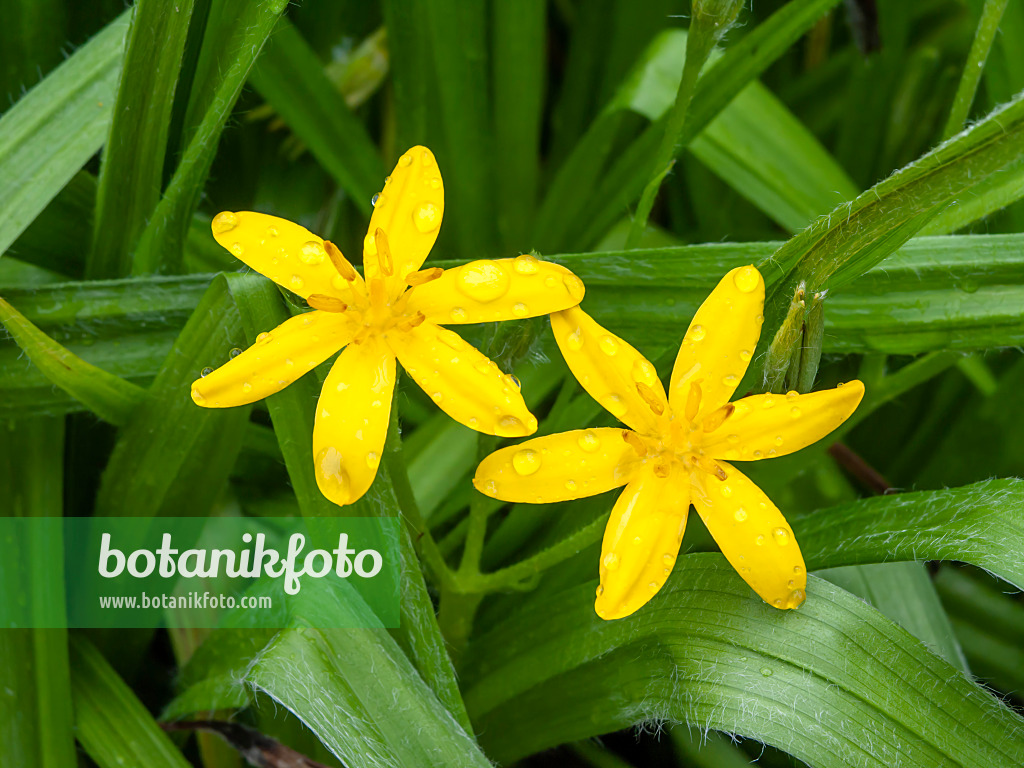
[[395, 312], [677, 450]]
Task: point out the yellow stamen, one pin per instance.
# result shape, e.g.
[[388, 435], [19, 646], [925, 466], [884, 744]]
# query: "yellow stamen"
[[710, 466], [326, 303], [650, 398], [378, 292], [423, 276], [387, 265], [693, 402], [634, 441], [343, 265], [411, 322], [716, 419]]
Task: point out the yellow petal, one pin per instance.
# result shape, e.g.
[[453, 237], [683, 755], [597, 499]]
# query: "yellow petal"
[[352, 420], [290, 255], [610, 370], [409, 210], [641, 542], [569, 465], [720, 342], [276, 360], [763, 426], [462, 381], [504, 289], [753, 535]]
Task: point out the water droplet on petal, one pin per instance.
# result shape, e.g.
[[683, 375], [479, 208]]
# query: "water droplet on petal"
[[588, 442], [668, 558], [224, 222], [372, 460], [437, 397], [427, 217], [600, 589], [574, 286], [483, 281], [740, 514], [526, 264], [247, 387], [526, 461], [405, 161], [458, 314], [729, 381], [609, 345], [697, 333], [733, 439], [575, 340], [797, 569], [796, 598], [426, 158], [726, 490], [234, 353], [550, 281], [760, 540], [611, 561], [312, 253], [519, 309], [374, 199], [491, 488], [778, 440], [781, 536], [510, 426], [197, 397], [237, 249], [794, 412], [745, 355], [333, 478], [570, 485], [296, 283], [614, 404], [747, 279], [206, 372], [263, 337], [653, 586], [514, 381]]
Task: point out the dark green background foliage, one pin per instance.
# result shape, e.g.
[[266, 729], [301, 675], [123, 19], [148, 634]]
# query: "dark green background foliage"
[[874, 162]]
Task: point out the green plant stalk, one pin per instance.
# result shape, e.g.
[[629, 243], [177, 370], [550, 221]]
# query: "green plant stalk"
[[699, 44], [991, 15]]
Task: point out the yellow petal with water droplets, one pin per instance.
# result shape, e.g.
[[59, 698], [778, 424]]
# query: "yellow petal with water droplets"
[[764, 426], [720, 341], [290, 255], [753, 535], [352, 421], [462, 381], [609, 370], [409, 209], [641, 542], [503, 289], [569, 465], [276, 360]]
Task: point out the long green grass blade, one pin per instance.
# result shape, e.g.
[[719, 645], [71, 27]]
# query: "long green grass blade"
[[111, 723], [162, 244], [291, 78], [132, 173], [830, 681], [50, 133], [36, 725]]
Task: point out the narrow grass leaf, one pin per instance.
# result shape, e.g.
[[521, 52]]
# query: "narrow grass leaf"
[[55, 128]]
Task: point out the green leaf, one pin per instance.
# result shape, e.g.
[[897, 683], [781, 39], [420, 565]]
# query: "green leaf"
[[132, 172], [291, 78], [162, 244], [108, 396], [112, 724], [35, 710], [50, 133], [346, 687], [833, 683], [173, 457]]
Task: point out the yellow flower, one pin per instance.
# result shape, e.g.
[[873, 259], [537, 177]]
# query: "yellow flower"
[[395, 312], [677, 450]]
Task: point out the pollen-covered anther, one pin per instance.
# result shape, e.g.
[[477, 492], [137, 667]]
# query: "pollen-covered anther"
[[411, 322], [650, 398], [343, 265], [423, 276], [326, 303], [710, 466], [692, 402], [717, 419], [635, 442], [387, 264]]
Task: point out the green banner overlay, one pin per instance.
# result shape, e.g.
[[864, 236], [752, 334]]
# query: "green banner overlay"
[[191, 572]]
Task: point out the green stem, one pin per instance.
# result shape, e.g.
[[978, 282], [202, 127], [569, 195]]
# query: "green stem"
[[991, 15], [698, 46]]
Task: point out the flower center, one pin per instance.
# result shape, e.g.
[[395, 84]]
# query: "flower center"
[[372, 307]]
